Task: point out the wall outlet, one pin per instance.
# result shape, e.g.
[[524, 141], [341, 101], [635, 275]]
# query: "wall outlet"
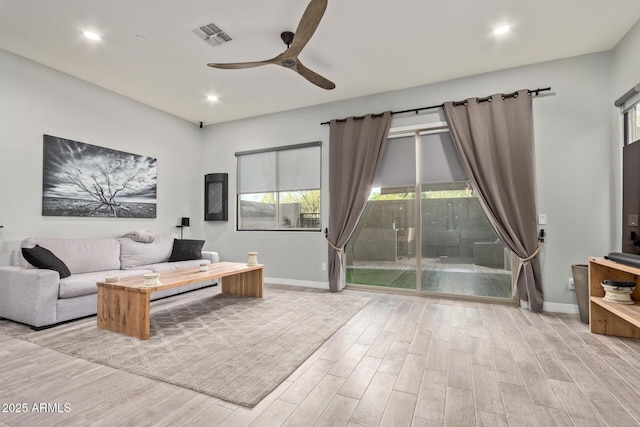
[[542, 219], [324, 266], [571, 284]]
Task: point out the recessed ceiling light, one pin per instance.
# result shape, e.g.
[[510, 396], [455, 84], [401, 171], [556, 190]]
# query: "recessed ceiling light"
[[503, 29], [212, 98], [92, 36]]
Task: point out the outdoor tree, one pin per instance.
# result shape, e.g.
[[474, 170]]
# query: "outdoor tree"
[[309, 201]]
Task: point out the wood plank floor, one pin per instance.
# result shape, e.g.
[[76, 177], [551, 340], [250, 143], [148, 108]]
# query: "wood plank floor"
[[401, 361]]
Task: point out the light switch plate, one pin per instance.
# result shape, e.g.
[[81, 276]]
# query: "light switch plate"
[[542, 219], [633, 221]]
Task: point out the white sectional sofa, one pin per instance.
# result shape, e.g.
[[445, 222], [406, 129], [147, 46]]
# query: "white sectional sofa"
[[40, 298]]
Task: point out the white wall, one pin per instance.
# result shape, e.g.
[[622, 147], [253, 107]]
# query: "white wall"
[[572, 130], [626, 62], [36, 100]]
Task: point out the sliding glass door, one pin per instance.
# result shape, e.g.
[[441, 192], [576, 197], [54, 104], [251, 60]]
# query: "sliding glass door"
[[382, 249], [438, 242]]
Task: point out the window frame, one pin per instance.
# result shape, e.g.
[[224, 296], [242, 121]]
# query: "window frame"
[[277, 193]]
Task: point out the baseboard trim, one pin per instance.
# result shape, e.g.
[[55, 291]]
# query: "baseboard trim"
[[551, 307], [555, 307], [295, 282]]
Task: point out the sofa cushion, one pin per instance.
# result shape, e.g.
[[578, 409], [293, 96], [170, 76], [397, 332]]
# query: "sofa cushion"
[[186, 250], [134, 254], [140, 236], [43, 258], [85, 283], [81, 255], [169, 266]]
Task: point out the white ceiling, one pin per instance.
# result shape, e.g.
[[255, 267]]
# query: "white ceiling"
[[363, 46]]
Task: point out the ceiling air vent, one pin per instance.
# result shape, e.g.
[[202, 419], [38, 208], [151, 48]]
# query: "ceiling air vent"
[[212, 34]]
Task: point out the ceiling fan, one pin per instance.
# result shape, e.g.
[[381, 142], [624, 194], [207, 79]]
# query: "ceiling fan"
[[295, 43]]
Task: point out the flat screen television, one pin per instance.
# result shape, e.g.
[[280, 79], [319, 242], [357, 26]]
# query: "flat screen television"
[[631, 198]]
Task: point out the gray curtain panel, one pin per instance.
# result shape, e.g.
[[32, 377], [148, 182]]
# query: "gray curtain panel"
[[495, 143], [355, 152]]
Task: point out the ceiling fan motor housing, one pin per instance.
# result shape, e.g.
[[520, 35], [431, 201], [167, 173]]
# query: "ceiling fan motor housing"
[[288, 63]]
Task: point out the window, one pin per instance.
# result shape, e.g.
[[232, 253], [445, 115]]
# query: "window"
[[632, 124], [279, 188]]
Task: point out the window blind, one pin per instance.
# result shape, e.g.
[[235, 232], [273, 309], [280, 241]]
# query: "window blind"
[[439, 161], [292, 168]]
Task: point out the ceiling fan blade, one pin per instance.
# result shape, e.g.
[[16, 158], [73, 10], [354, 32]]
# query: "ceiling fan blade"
[[240, 65], [314, 77], [307, 26]]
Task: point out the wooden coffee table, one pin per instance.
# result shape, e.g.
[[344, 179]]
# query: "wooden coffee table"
[[123, 306]]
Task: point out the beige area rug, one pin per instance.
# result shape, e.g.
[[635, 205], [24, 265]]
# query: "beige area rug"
[[234, 348]]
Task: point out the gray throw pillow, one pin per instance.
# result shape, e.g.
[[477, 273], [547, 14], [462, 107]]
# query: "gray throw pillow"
[[45, 259], [185, 250]]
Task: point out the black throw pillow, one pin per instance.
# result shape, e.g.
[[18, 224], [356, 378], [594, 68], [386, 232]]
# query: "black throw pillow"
[[43, 258], [185, 250]]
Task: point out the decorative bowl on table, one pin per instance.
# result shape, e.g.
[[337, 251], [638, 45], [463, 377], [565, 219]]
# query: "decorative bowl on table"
[[151, 279], [617, 291]]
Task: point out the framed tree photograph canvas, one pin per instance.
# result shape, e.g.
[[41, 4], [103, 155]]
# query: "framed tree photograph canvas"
[[85, 180]]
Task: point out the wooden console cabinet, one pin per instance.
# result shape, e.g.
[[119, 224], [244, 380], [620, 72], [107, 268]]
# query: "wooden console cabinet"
[[610, 318]]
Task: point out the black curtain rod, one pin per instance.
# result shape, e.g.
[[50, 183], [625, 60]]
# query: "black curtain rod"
[[455, 104]]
